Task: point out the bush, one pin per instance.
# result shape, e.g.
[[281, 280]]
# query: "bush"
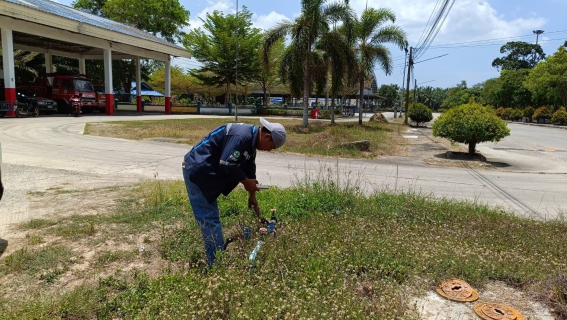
[[516, 115], [560, 116], [507, 112], [470, 123], [542, 113], [499, 111], [529, 112], [419, 113]]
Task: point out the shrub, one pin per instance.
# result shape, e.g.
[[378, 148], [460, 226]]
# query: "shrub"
[[419, 113], [470, 123], [499, 111], [529, 112], [507, 112], [542, 113], [516, 115], [560, 116]]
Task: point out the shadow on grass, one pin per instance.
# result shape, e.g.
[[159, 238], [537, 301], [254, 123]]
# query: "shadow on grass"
[[3, 246]]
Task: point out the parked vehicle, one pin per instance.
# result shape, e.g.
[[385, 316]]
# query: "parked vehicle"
[[62, 88], [100, 97], [43, 105], [26, 110]]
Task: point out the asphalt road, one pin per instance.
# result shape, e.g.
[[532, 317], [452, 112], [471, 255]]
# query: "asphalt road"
[[46, 152]]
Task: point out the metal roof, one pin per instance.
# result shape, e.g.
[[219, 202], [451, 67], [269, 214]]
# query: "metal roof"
[[64, 11]]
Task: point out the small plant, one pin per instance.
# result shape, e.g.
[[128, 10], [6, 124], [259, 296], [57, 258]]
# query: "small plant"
[[470, 123], [542, 113], [499, 112], [560, 116], [529, 113], [507, 113], [516, 115], [420, 113]]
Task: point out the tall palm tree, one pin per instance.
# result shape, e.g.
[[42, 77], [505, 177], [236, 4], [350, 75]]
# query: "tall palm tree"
[[313, 24], [370, 37]]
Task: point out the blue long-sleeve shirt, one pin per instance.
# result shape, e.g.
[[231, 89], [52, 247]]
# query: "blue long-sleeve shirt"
[[223, 158]]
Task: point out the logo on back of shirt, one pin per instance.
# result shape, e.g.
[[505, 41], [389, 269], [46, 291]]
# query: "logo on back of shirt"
[[236, 154], [246, 155]]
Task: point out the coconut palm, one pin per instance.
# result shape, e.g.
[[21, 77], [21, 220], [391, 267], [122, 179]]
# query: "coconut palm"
[[312, 25], [370, 36]]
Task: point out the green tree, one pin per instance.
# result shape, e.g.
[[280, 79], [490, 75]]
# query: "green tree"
[[460, 95], [520, 55], [420, 113], [313, 24], [508, 90], [390, 93], [214, 45], [548, 80], [470, 124], [370, 36], [163, 18], [269, 77]]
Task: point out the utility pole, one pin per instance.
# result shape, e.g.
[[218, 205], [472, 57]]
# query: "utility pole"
[[236, 76], [410, 65], [403, 83]]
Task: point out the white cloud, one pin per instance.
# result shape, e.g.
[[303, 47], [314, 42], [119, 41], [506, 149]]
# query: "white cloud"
[[468, 20], [266, 22], [224, 6]]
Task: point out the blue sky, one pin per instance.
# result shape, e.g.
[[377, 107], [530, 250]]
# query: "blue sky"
[[471, 36]]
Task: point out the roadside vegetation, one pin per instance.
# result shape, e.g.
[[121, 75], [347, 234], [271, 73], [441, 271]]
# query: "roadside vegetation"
[[338, 254], [320, 138]]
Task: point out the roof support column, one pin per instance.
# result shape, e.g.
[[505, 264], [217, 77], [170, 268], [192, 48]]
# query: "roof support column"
[[82, 66], [108, 87], [49, 65], [9, 71], [138, 85], [168, 85]]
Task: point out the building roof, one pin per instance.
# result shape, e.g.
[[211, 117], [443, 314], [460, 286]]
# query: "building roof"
[[55, 16]]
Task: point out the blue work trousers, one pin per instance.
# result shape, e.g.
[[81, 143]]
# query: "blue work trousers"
[[208, 218]]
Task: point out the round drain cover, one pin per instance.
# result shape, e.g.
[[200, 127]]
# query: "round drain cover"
[[457, 290], [496, 311]]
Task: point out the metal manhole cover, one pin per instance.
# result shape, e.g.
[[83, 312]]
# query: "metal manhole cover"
[[457, 290], [496, 311]]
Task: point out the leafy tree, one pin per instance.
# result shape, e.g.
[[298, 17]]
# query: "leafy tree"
[[214, 46], [529, 113], [548, 80], [269, 77], [390, 93], [420, 113], [470, 124], [313, 24], [457, 96], [163, 18], [560, 116], [521, 55], [508, 90], [542, 113], [370, 38]]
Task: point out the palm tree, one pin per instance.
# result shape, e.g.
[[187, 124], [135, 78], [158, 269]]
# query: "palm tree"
[[370, 37], [313, 24]]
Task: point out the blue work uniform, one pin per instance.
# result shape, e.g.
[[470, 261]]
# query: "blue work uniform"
[[213, 167]]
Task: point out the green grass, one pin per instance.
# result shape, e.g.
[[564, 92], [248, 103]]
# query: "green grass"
[[338, 254], [320, 138]]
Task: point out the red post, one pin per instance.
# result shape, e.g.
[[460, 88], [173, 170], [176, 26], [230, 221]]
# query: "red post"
[[139, 103], [167, 105], [109, 103], [10, 94]]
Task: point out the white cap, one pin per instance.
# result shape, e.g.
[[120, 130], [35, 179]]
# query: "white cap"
[[277, 130]]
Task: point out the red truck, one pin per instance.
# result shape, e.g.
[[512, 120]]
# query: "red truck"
[[63, 88]]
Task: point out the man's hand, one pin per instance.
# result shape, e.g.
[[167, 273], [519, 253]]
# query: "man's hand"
[[250, 185], [253, 203]]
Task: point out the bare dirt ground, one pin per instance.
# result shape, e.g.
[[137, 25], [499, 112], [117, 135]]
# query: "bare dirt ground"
[[61, 197]]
